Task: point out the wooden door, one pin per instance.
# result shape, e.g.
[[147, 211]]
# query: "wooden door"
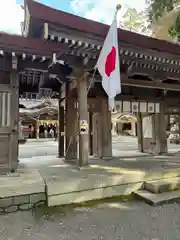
[[8, 129], [90, 133], [97, 135], [148, 146]]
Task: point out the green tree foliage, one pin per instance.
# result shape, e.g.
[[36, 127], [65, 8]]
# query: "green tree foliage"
[[161, 9], [134, 21], [174, 29], [160, 27], [157, 8]]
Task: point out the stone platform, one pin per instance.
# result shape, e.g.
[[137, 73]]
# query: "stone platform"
[[97, 182], [67, 184], [61, 183], [21, 190]]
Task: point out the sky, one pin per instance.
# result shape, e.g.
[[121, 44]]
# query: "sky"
[[12, 14]]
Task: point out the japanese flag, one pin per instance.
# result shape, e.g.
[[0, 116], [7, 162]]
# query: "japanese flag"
[[108, 64]]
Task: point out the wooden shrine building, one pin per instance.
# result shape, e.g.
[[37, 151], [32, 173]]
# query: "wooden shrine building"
[[39, 113], [58, 51]]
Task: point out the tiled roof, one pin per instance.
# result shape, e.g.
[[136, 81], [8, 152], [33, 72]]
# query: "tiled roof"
[[35, 103], [17, 43], [47, 14]]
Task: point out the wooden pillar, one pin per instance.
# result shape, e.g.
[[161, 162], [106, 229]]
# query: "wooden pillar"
[[61, 148], [14, 136], [82, 80], [106, 133], [97, 131], [160, 131], [168, 121], [139, 132], [70, 126]]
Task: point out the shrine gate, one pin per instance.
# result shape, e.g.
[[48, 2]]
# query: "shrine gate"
[[58, 51]]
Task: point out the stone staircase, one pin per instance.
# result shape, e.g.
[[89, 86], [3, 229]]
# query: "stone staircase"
[[160, 191]]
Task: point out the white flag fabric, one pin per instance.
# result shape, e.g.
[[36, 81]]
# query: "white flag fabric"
[[108, 64]]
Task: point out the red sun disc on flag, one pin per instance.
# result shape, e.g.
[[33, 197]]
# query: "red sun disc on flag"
[[110, 63]]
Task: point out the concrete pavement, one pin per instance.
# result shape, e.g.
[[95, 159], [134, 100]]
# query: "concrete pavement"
[[122, 146], [108, 221], [50, 147]]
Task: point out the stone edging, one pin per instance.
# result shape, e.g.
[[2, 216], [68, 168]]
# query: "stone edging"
[[20, 203]]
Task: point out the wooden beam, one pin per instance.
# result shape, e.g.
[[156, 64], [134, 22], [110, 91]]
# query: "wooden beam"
[[169, 102], [151, 65], [28, 63], [72, 60], [150, 84], [127, 81]]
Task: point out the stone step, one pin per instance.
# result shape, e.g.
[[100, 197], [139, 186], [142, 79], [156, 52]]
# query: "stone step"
[[163, 185], [157, 199]]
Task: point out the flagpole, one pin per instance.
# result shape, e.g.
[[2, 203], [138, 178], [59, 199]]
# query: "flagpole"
[[118, 8], [96, 67]]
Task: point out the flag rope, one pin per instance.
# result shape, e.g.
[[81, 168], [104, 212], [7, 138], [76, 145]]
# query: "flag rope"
[[77, 120]]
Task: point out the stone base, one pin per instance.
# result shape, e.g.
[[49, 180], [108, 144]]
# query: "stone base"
[[66, 184], [163, 185], [158, 199], [93, 194], [75, 186], [22, 202], [21, 190]]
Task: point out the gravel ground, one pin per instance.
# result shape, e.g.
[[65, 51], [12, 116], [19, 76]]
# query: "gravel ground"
[[108, 221]]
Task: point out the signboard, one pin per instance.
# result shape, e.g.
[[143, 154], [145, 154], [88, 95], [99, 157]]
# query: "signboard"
[[133, 107], [84, 127]]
